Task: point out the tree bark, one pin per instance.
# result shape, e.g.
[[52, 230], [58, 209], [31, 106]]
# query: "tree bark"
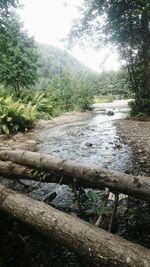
[[14, 171], [67, 172], [96, 245], [146, 50]]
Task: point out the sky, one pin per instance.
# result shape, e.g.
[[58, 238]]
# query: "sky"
[[49, 21]]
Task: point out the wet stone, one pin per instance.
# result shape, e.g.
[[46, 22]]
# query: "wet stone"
[[110, 113], [88, 144]]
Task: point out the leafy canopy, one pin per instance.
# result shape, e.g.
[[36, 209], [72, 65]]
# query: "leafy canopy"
[[6, 6], [125, 23], [18, 64]]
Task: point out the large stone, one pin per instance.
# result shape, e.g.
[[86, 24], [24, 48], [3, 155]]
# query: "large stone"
[[110, 113]]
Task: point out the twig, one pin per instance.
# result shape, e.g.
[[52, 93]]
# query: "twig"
[[113, 213], [104, 204]]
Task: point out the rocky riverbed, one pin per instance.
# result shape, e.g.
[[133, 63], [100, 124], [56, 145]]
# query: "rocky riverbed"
[[137, 134]]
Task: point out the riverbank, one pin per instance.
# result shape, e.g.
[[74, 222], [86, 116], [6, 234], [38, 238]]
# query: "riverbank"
[[29, 140], [133, 132], [137, 135]]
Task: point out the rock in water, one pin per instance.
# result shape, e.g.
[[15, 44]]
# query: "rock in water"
[[88, 144], [110, 113]]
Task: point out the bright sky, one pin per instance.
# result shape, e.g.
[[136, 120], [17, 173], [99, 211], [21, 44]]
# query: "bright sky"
[[49, 21]]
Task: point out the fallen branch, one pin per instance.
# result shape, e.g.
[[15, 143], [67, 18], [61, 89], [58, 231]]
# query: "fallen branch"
[[113, 213], [96, 245], [68, 171], [104, 204]]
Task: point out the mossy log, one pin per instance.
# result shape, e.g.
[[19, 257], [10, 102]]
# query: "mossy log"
[[67, 172], [96, 245]]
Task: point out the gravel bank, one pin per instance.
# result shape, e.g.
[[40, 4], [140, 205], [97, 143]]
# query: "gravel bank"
[[137, 134]]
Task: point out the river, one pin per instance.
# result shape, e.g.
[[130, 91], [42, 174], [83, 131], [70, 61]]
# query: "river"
[[94, 140]]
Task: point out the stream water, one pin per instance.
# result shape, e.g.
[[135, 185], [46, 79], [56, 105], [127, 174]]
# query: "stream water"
[[93, 140]]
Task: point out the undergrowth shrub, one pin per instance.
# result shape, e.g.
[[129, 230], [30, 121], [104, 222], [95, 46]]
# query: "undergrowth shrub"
[[19, 112], [140, 107], [15, 116], [41, 100]]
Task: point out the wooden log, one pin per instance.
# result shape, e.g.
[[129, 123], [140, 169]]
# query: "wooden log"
[[96, 245], [11, 170], [68, 171]]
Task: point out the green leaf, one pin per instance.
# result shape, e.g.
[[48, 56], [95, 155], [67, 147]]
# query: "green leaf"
[[105, 210], [92, 195], [90, 211], [5, 129]]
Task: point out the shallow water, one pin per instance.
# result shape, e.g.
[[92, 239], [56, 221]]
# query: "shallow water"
[[93, 140]]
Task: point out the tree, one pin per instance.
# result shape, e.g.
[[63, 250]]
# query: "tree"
[[125, 24], [6, 4], [18, 65]]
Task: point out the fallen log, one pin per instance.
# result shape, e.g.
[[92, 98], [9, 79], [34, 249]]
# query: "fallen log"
[[96, 245], [11, 170], [68, 171]]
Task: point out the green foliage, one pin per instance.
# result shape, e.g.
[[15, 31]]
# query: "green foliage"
[[6, 4], [90, 202], [72, 85], [19, 114], [67, 92], [53, 60], [140, 107], [113, 84], [126, 25], [18, 65], [15, 116], [41, 100], [96, 198]]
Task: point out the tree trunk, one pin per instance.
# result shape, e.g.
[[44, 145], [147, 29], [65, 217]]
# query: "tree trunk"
[[67, 172], [96, 245], [146, 51]]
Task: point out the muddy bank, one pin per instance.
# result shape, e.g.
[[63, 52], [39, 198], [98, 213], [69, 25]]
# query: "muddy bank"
[[137, 135]]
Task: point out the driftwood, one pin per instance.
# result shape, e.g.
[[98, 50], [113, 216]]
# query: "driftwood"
[[96, 245], [67, 171]]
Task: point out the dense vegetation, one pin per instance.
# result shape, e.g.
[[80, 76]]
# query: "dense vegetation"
[[40, 81], [18, 64], [57, 64], [125, 24]]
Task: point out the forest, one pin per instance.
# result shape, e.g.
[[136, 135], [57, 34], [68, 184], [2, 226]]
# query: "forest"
[[74, 143], [40, 81]]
